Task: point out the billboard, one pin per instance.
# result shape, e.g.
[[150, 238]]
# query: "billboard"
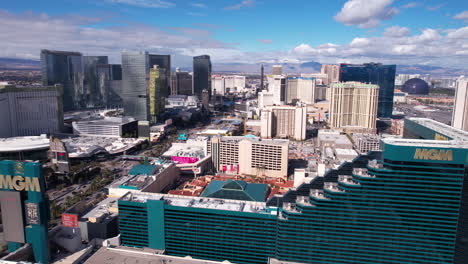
[[70, 220], [24, 207], [12, 216]]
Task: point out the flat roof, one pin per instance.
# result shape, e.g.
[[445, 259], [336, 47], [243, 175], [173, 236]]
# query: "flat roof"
[[256, 140], [101, 208], [199, 202], [456, 134], [16, 144], [426, 143], [131, 255]]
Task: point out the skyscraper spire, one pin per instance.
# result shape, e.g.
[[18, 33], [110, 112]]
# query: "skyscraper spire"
[[261, 80]]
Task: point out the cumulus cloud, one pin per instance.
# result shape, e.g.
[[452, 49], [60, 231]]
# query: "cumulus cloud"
[[462, 16], [396, 31], [395, 46], [366, 14], [32, 32], [245, 3], [145, 3], [359, 42]]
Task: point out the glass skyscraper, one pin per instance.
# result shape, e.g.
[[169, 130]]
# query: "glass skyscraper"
[[164, 63], [142, 94], [406, 204], [135, 75], [66, 68], [373, 73], [95, 97], [109, 84], [201, 74]]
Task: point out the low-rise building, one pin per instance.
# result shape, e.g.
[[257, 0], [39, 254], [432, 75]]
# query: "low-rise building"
[[366, 142], [24, 148], [107, 127], [146, 177]]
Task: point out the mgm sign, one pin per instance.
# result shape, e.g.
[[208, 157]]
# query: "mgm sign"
[[24, 207]]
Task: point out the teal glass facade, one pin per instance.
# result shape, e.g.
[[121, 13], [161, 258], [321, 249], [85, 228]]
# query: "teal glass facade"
[[403, 208]]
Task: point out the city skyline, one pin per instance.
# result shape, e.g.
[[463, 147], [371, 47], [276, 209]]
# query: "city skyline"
[[387, 31]]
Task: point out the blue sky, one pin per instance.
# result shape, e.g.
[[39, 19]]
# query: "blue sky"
[[432, 32]]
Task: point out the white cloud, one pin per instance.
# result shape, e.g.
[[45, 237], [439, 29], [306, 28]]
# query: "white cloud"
[[411, 5], [366, 14], [462, 16], [32, 32], [447, 49], [145, 3], [396, 31], [359, 42], [459, 34], [245, 3]]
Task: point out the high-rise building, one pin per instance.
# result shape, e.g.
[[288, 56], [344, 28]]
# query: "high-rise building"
[[460, 108], [201, 75], [30, 111], [277, 86], [135, 77], [262, 75], [265, 98], [94, 96], [250, 156], [300, 89], [163, 62], [218, 85], [353, 106], [144, 86], [222, 84], [332, 71], [406, 204], [181, 83], [284, 122], [65, 68], [277, 70], [373, 73], [205, 99], [109, 84], [156, 92]]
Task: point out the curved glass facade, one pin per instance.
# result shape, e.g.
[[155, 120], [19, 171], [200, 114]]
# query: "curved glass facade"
[[405, 207]]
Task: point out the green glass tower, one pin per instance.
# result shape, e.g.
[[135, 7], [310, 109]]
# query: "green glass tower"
[[406, 204]]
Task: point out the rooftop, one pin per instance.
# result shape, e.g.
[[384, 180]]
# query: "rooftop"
[[426, 143], [131, 255], [447, 130], [101, 209], [236, 190], [200, 202], [15, 144]]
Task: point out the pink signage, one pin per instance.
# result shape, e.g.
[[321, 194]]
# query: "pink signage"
[[184, 160]]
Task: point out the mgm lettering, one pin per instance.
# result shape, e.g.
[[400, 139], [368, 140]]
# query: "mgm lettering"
[[433, 154], [20, 183]]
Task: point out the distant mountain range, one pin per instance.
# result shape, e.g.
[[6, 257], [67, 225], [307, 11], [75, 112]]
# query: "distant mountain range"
[[307, 67], [19, 64]]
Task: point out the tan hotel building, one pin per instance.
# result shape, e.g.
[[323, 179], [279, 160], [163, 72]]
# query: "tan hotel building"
[[353, 106], [250, 156]]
